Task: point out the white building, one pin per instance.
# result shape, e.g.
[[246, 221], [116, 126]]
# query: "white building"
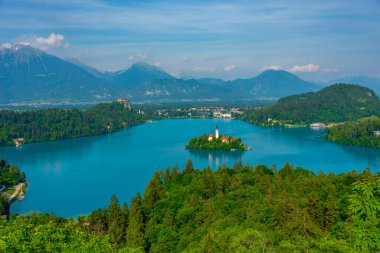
[[211, 136], [317, 125], [217, 114], [18, 141]]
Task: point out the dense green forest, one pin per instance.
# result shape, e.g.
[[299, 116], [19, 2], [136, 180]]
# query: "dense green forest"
[[238, 209], [203, 143], [57, 124], [356, 133], [9, 176], [336, 103]]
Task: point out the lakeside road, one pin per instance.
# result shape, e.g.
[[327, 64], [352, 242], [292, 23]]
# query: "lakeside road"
[[18, 189]]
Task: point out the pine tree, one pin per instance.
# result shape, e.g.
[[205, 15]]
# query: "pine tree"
[[282, 210], [115, 221], [135, 231], [365, 214], [238, 165], [98, 220], [189, 166], [153, 192], [330, 212], [287, 171], [4, 205], [315, 208], [168, 219], [208, 183], [167, 177], [175, 171], [125, 211]]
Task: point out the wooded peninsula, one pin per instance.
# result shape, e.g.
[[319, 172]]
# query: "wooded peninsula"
[[10, 176], [58, 124], [363, 132]]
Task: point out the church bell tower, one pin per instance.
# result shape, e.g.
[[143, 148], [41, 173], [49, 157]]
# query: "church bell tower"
[[217, 132]]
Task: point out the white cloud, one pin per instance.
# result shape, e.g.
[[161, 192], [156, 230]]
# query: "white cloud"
[[157, 64], [331, 70], [53, 40], [272, 67], [187, 59], [204, 69], [24, 43], [6, 45], [9, 45], [304, 68], [230, 67], [137, 57]]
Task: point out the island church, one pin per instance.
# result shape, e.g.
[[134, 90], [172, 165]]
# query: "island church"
[[211, 136]]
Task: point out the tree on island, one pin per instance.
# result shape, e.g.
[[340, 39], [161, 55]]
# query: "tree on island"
[[216, 142]]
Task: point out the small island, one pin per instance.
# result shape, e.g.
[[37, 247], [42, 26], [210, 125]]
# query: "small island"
[[217, 142]]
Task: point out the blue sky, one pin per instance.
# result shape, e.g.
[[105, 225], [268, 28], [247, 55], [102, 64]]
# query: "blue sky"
[[317, 40]]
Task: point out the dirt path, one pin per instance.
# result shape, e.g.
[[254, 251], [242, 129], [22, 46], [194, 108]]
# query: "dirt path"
[[18, 189]]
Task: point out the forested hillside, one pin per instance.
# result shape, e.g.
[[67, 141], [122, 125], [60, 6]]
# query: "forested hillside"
[[57, 124], [10, 175], [356, 133], [239, 209], [336, 103]]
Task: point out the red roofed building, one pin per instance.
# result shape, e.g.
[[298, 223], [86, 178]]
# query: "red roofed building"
[[211, 136], [122, 100], [224, 139]]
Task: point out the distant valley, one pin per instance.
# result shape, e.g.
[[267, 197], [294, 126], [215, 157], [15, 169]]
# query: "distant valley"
[[28, 74]]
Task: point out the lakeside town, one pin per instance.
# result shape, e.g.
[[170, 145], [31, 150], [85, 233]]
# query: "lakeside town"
[[156, 112], [201, 112]]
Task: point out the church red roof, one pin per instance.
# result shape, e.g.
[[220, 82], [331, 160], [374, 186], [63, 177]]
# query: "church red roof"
[[211, 135], [224, 138]]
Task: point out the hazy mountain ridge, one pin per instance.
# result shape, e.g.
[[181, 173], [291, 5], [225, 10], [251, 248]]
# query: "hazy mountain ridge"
[[370, 82], [29, 74], [140, 73]]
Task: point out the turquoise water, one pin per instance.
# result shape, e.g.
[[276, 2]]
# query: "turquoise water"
[[76, 176]]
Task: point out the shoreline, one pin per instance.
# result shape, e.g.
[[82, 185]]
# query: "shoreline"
[[17, 194]]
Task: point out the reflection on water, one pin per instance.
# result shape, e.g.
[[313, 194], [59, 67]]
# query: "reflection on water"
[[217, 158], [370, 155]]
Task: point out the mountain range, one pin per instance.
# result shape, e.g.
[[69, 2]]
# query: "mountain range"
[[28, 74]]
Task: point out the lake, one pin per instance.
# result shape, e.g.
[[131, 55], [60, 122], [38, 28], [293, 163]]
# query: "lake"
[[76, 176]]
